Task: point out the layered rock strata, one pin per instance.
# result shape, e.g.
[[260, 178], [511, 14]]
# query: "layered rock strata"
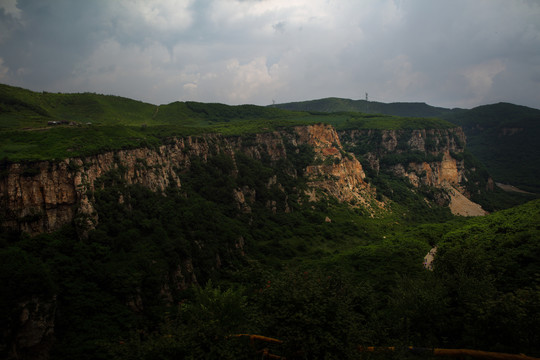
[[422, 155], [44, 196], [426, 157], [335, 172]]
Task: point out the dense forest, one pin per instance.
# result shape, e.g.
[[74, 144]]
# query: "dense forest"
[[185, 273], [323, 288]]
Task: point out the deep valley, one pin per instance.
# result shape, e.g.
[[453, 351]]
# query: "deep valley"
[[135, 231]]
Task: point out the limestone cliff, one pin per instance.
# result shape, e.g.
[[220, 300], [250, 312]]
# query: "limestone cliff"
[[438, 173], [426, 157], [423, 155], [44, 196], [335, 172]]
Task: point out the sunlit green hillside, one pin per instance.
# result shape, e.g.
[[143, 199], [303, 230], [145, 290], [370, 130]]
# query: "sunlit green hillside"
[[20, 108], [42, 126]]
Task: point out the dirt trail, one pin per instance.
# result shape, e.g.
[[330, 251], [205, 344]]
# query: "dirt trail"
[[428, 259]]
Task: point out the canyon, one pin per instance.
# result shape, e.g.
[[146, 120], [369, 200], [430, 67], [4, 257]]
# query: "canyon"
[[151, 223], [43, 196]]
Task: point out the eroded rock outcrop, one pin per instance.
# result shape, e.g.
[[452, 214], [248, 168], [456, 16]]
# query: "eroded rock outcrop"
[[44, 196], [437, 173], [426, 152], [426, 157], [335, 172]]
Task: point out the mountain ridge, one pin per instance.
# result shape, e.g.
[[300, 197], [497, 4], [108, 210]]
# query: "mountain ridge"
[[332, 104], [497, 133], [308, 227]]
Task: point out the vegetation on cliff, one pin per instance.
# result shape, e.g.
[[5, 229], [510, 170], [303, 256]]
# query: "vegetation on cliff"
[[199, 239], [323, 277], [321, 287], [45, 126], [497, 134]]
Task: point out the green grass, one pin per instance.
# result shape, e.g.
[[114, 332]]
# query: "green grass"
[[20, 108], [95, 123], [61, 142], [345, 121], [333, 104]]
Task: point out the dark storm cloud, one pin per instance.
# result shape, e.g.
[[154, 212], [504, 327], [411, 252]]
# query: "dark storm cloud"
[[455, 54], [49, 39]]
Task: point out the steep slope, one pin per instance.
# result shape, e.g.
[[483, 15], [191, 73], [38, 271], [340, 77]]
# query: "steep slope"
[[505, 138], [432, 158], [120, 234], [146, 144], [213, 187], [497, 134], [44, 196]]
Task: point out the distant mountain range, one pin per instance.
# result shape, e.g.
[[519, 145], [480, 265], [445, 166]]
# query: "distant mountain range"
[[504, 136], [333, 104]]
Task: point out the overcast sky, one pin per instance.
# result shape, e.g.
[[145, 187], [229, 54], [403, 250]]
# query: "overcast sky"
[[450, 53]]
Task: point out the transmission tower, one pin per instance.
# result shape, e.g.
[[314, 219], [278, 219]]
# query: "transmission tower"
[[367, 103]]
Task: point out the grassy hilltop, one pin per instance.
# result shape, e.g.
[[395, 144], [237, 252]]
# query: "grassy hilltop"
[[503, 136], [334, 104], [91, 123]]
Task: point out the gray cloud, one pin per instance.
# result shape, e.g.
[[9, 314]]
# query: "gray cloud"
[[455, 54]]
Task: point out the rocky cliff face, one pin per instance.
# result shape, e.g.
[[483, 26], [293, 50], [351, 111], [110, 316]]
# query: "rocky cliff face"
[[43, 196], [426, 157], [423, 156], [438, 173], [335, 172]]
